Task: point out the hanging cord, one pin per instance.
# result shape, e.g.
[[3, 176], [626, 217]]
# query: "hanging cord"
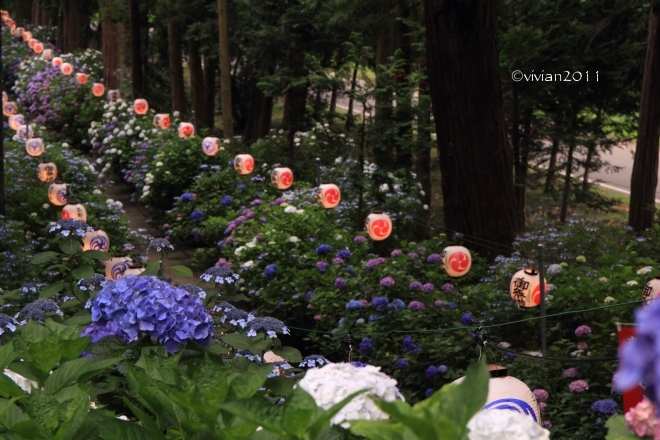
[[555, 359]]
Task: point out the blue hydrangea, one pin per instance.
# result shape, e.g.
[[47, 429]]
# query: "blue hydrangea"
[[429, 392], [186, 197], [236, 316], [241, 186], [37, 310], [380, 303], [70, 225], [160, 244], [397, 305], [136, 305], [343, 254], [442, 369], [7, 322], [270, 271], [408, 344], [431, 372], [467, 319], [97, 281], [226, 201], [353, 305], [373, 318], [323, 249], [270, 325], [606, 406], [310, 295], [313, 361], [195, 290], [401, 364], [366, 345], [451, 305], [219, 275], [197, 216]]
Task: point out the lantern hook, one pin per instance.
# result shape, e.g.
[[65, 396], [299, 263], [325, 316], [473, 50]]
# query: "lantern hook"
[[350, 341]]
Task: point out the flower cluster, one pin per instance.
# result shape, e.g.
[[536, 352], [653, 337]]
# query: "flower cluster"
[[38, 310], [219, 275], [311, 361], [160, 244], [69, 226], [489, 425], [641, 419], [270, 325], [235, 316], [97, 281]]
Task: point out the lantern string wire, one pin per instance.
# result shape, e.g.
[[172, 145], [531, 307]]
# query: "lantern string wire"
[[555, 359]]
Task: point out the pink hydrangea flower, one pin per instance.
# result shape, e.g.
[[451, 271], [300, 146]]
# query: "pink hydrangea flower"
[[578, 386], [318, 317], [641, 419], [571, 372], [543, 406], [540, 394], [583, 346]]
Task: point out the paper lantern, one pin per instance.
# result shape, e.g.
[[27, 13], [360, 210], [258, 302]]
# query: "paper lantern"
[[57, 194], [4, 15], [141, 106], [162, 121], [113, 95], [47, 54], [651, 290], [47, 172], [66, 69], [25, 132], [9, 108], [116, 267], [378, 225], [328, 195], [81, 78], [456, 261], [134, 270], [98, 89], [244, 164], [19, 31], [11, 23], [506, 393], [16, 121], [77, 212], [211, 146], [526, 288], [96, 241], [31, 42], [5, 97], [38, 47], [26, 35], [186, 130], [35, 146], [57, 62], [282, 177]]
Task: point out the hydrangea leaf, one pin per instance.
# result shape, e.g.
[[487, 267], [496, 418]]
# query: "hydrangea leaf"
[[85, 271], [242, 386], [95, 368], [27, 429], [51, 289], [9, 389], [121, 430], [43, 257], [7, 355], [12, 415], [151, 269], [289, 353], [377, 429], [260, 411], [147, 421], [65, 374], [237, 340], [70, 246], [181, 271], [617, 429], [96, 255], [280, 385]]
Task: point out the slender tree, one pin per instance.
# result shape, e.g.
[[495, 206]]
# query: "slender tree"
[[225, 75], [177, 89], [137, 78]]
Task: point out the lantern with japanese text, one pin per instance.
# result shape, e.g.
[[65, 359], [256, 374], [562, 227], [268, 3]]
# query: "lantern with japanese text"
[[38, 47], [26, 35], [25, 132], [19, 31], [96, 241], [98, 89], [47, 172], [5, 97], [66, 69], [11, 23], [9, 108], [328, 195], [116, 267], [456, 261], [57, 62], [35, 147], [58, 194], [244, 164], [525, 287], [141, 106], [81, 78], [186, 130], [31, 42], [506, 393], [211, 146], [378, 225], [651, 290], [16, 121], [281, 177], [162, 121], [113, 95], [134, 270], [47, 54], [76, 212]]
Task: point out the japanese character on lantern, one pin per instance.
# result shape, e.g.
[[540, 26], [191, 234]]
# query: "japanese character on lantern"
[[16, 121], [141, 106], [162, 121], [9, 108], [525, 287], [244, 164], [113, 95], [456, 261], [281, 177], [378, 225], [651, 290], [328, 195], [25, 132], [47, 172]]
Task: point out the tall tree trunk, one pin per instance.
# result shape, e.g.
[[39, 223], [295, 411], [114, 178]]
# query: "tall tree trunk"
[[296, 97], [259, 116], [567, 181], [466, 94], [137, 77], [109, 45], [552, 165], [591, 149], [177, 87], [645, 168], [351, 98], [225, 75], [2, 143], [423, 155], [210, 65], [72, 25], [521, 173], [404, 115], [384, 151], [23, 13], [333, 102], [196, 79]]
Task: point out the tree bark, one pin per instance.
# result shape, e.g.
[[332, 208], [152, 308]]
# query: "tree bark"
[[591, 149], [109, 46], [225, 75], [552, 165], [177, 87], [209, 91], [521, 167], [23, 13], [350, 118], [384, 152], [2, 143], [404, 110], [259, 114], [137, 77], [466, 94], [295, 99], [196, 79], [567, 181], [644, 178]]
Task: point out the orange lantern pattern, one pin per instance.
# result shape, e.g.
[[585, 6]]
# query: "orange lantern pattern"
[[57, 62], [525, 287], [113, 95], [282, 177], [328, 195], [31, 42], [57, 194], [16, 121], [456, 261], [47, 172], [47, 54], [81, 78], [34, 146], [96, 241], [98, 89], [38, 47], [378, 225], [66, 69], [141, 106], [211, 146], [162, 121], [9, 108], [244, 164], [26, 35], [186, 130], [77, 212], [116, 267]]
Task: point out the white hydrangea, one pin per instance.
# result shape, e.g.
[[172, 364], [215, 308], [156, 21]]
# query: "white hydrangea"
[[290, 209], [248, 264], [505, 425], [332, 383], [631, 283], [239, 250], [293, 239], [645, 270], [384, 188], [554, 269]]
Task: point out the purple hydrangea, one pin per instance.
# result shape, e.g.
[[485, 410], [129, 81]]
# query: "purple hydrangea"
[[343, 254], [447, 288], [569, 373], [412, 255], [540, 394], [322, 266], [226, 201], [439, 303], [396, 253], [429, 392], [434, 258], [380, 303], [467, 319], [415, 285], [374, 262], [256, 202], [583, 330], [416, 305], [359, 239], [186, 197], [431, 372], [578, 386], [310, 295], [428, 288], [366, 346], [241, 186], [387, 282], [401, 364], [197, 216], [607, 407], [409, 345], [323, 249], [270, 271], [421, 250], [340, 283], [337, 261]]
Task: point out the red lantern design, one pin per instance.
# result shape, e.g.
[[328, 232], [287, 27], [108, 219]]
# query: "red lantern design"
[[16, 121], [98, 89], [244, 163], [282, 177], [31, 42], [66, 69], [456, 261], [525, 287], [328, 195], [47, 54], [77, 212], [378, 225], [141, 106], [26, 35], [162, 121], [186, 130], [38, 47], [113, 95], [81, 78], [9, 108], [57, 62]]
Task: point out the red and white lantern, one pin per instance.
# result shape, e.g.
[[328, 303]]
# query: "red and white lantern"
[[282, 177], [116, 267], [57, 62], [96, 241], [38, 47], [76, 212], [98, 89], [162, 121], [328, 195], [47, 54], [25, 132], [4, 14], [34, 147], [456, 261], [186, 130], [81, 78], [57, 194], [5, 97], [651, 290], [19, 31], [211, 146], [26, 35], [141, 106], [378, 225], [244, 163], [31, 42], [66, 69], [9, 108], [16, 121], [113, 95], [525, 287], [11, 23], [47, 172]]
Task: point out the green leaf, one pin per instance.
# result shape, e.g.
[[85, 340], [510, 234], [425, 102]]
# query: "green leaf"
[[289, 353], [299, 410], [245, 385], [70, 246], [181, 271], [51, 289], [43, 257], [27, 429], [280, 385], [56, 266], [321, 424], [72, 349], [258, 410], [85, 271], [7, 355], [377, 430], [151, 269], [228, 297], [11, 416], [96, 255], [79, 320], [9, 389], [98, 367], [617, 429], [123, 430], [67, 373], [147, 421], [237, 340]]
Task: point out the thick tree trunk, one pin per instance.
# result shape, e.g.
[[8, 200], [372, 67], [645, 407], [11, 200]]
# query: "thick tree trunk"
[[475, 158], [73, 25], [350, 118], [552, 166], [384, 152], [259, 116], [567, 182], [209, 91], [404, 100], [645, 169], [2, 143], [295, 99], [196, 79], [177, 87], [137, 77], [110, 38], [225, 75]]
